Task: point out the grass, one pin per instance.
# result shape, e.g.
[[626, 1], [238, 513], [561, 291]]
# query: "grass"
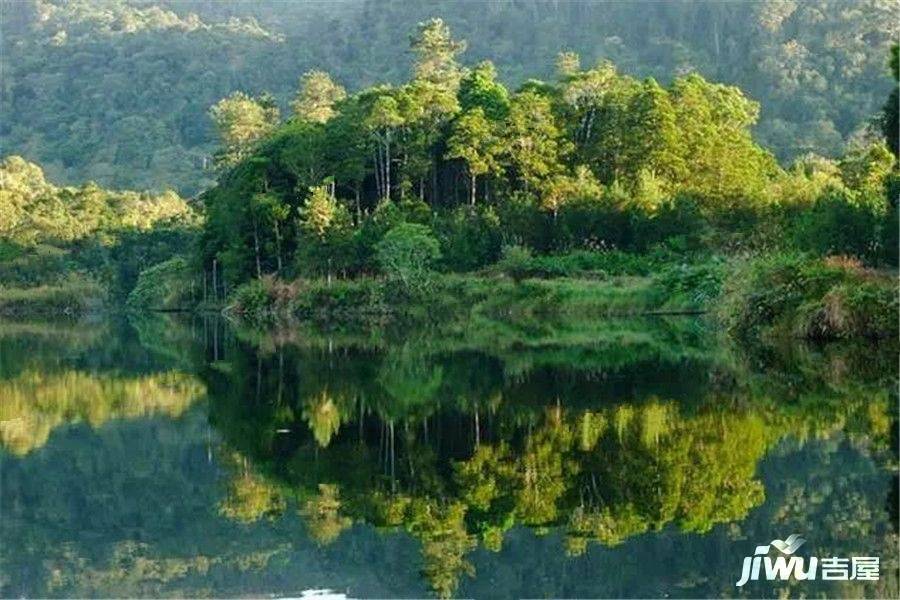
[[452, 297], [73, 296]]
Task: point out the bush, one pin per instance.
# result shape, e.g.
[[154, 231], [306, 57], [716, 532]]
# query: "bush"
[[837, 225], [252, 300], [470, 238], [693, 285], [516, 262], [519, 263], [406, 253], [859, 309], [794, 295], [269, 299], [169, 285]]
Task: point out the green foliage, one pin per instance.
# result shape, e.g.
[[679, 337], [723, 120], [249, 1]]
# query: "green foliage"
[[890, 118], [169, 285], [470, 237], [596, 161], [817, 67], [516, 262], [57, 238], [793, 295], [406, 254], [241, 122], [317, 96], [74, 295], [834, 224]]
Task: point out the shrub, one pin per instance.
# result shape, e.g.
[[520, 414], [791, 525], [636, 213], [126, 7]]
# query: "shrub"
[[406, 254], [251, 300], [837, 225], [470, 238], [168, 285], [794, 295], [858, 309], [516, 262], [693, 285]]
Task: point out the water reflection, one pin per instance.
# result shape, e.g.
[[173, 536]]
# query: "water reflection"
[[416, 461]]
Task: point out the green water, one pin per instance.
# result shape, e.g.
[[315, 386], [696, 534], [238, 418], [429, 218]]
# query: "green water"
[[181, 457]]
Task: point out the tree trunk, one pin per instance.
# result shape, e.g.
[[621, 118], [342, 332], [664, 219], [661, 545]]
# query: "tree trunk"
[[378, 170], [472, 190], [387, 167], [434, 162], [215, 282], [277, 244], [256, 249]]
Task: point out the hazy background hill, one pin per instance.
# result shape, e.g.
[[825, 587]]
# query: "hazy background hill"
[[117, 91]]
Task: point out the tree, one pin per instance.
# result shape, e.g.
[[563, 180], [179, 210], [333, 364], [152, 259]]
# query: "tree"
[[270, 209], [436, 52], [480, 89], [433, 93], [650, 140], [241, 122], [567, 64], [317, 96], [382, 121], [532, 143], [721, 161], [474, 141], [320, 211]]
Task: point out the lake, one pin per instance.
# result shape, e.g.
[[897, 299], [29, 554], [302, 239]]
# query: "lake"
[[183, 456]]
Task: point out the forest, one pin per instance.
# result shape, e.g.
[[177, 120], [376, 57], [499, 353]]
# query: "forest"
[[589, 185], [816, 67], [453, 193], [476, 298]]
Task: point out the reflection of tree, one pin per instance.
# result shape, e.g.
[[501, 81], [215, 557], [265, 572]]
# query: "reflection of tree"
[[323, 415], [322, 513], [34, 403], [410, 382], [544, 470], [453, 449], [250, 497], [445, 543]]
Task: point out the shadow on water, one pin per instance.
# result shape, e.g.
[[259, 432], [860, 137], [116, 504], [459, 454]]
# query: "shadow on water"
[[621, 458]]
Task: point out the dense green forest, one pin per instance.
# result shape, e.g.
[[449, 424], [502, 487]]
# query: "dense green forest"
[[593, 174], [458, 186], [117, 91], [74, 249]]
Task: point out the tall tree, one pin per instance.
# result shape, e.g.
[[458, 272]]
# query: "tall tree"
[[474, 141], [317, 96], [480, 88], [241, 122], [382, 121], [890, 124], [532, 142], [436, 52]]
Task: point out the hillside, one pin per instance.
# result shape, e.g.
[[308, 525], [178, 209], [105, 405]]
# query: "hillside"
[[118, 92]]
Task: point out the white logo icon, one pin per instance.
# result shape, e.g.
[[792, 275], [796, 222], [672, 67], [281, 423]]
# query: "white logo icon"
[[860, 568]]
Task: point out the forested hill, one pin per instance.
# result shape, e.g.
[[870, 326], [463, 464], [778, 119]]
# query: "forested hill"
[[118, 92]]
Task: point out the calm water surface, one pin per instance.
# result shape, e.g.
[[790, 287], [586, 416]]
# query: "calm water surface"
[[181, 457]]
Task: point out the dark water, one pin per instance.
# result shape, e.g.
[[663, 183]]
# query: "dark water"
[[180, 457]]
